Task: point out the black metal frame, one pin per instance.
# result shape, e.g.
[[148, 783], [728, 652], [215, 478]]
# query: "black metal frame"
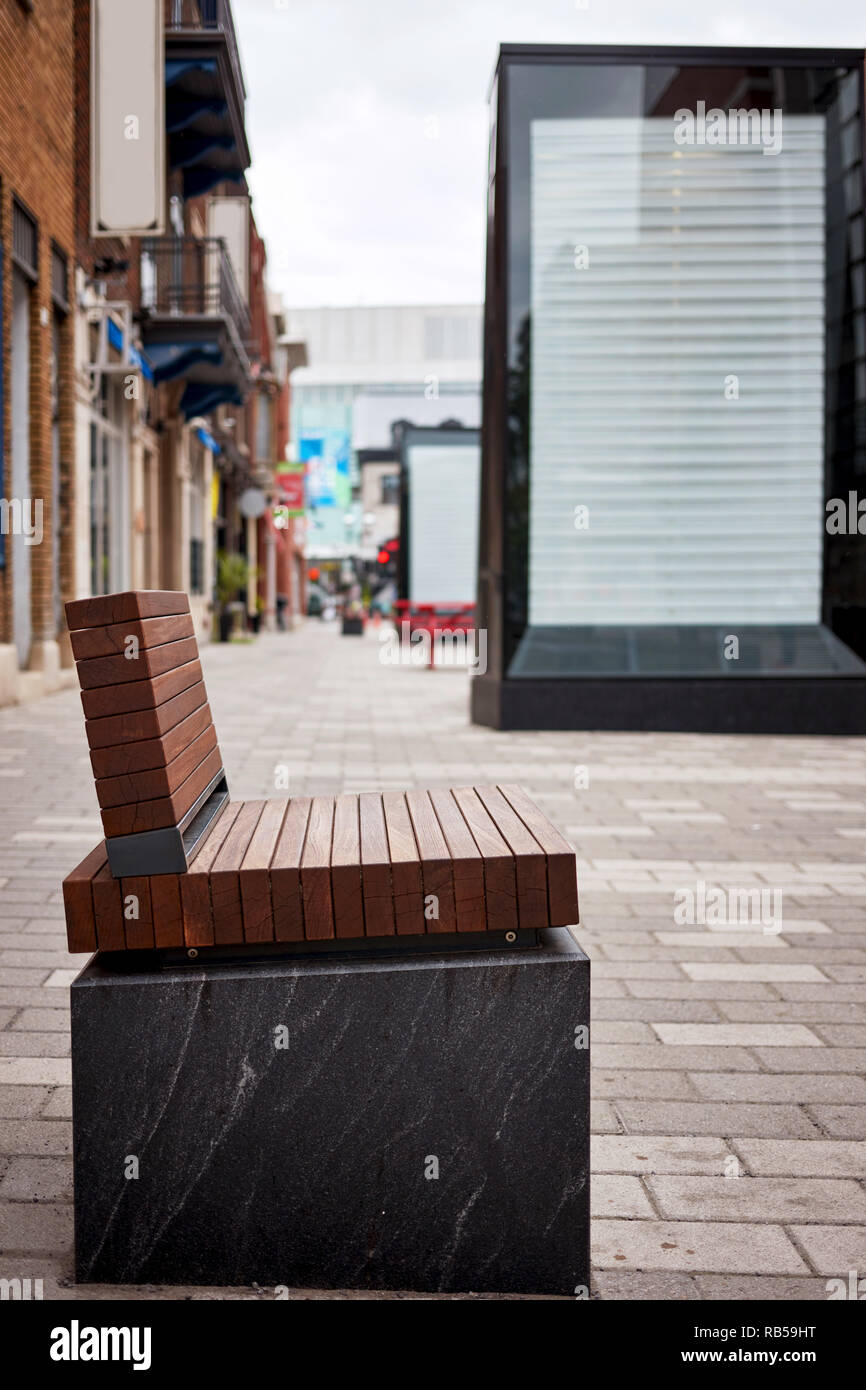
[[819, 703], [171, 849]]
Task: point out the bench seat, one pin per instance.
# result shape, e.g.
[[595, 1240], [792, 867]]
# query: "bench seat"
[[472, 859]]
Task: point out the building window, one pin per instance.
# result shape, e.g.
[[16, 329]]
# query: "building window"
[[263, 428], [196, 525], [108, 507], [25, 241], [390, 489]]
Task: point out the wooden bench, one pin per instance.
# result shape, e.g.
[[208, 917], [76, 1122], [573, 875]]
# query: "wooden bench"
[[182, 866]]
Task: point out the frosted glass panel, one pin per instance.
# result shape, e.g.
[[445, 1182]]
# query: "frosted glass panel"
[[705, 280], [443, 522]]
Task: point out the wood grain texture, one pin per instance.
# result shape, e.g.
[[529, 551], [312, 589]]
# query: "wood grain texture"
[[78, 901], [107, 609], [166, 909], [168, 810], [225, 886], [376, 867], [316, 870], [155, 782], [286, 872], [467, 865], [119, 670], [346, 887], [530, 862], [128, 757], [254, 874], [500, 881], [139, 930], [436, 867], [322, 868], [407, 885], [146, 632], [195, 896], [108, 704], [108, 911], [561, 861]]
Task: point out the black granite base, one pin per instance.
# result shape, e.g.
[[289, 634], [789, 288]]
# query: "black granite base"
[[287, 1122]]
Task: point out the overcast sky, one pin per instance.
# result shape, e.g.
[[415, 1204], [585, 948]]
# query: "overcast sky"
[[368, 123]]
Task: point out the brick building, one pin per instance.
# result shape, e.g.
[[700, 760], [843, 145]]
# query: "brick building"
[[37, 244]]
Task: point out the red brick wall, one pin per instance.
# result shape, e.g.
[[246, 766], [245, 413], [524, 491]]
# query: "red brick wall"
[[37, 147]]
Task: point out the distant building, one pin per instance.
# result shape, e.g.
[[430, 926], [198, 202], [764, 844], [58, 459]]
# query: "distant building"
[[37, 245], [369, 367]]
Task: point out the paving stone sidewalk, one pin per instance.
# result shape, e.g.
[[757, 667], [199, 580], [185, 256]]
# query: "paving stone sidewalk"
[[729, 1057]]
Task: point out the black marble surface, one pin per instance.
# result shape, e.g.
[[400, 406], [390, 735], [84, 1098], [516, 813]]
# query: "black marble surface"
[[305, 1165]]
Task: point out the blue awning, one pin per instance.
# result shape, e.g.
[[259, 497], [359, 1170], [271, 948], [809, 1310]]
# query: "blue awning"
[[208, 440], [200, 398], [170, 360]]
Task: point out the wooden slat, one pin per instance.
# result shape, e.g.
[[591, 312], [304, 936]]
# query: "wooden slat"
[[167, 914], [255, 879], [225, 888], [139, 931], [286, 872], [346, 868], [316, 870], [468, 869], [130, 787], [120, 758], [106, 609], [436, 867], [117, 670], [78, 901], [108, 911], [169, 810], [195, 899], [147, 632], [406, 881], [379, 917], [500, 883], [111, 703], [530, 861], [561, 861]]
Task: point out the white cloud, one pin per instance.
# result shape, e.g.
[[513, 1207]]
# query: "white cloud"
[[368, 123]]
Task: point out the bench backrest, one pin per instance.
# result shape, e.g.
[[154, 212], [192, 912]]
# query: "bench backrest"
[[153, 745]]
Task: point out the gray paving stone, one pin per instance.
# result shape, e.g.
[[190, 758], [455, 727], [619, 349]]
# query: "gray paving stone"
[[663, 1287], [692, 1198], [834, 1250], [806, 1158], [841, 1121], [695, 1246], [32, 1227], [798, 1088], [38, 1179], [21, 1102], [831, 1059], [655, 1153], [736, 1035], [42, 1138], [686, 1117], [683, 1058], [757, 1288], [615, 1194]]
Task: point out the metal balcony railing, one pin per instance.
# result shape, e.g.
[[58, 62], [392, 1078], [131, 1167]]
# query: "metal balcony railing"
[[209, 14], [191, 275]]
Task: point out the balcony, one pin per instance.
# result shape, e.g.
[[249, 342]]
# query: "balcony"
[[194, 321], [205, 95]]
